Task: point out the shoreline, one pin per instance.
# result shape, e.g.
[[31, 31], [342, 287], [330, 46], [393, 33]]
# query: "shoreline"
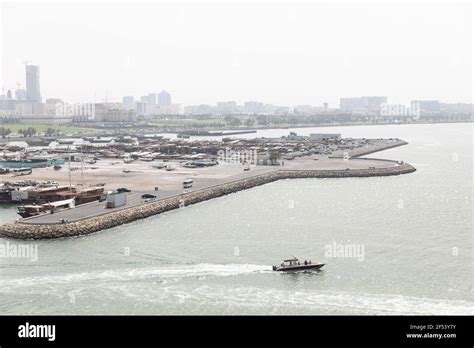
[[276, 127], [164, 130], [87, 225]]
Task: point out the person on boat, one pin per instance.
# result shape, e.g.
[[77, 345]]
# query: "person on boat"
[[305, 262]]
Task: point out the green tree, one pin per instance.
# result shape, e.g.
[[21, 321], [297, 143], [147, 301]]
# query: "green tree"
[[31, 131], [274, 156], [293, 120], [50, 132], [4, 132], [250, 122], [262, 120], [235, 122]]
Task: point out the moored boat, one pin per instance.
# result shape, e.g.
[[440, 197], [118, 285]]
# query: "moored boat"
[[33, 209]]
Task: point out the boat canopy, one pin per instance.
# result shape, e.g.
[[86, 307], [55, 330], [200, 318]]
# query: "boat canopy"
[[69, 202], [292, 259], [35, 207]]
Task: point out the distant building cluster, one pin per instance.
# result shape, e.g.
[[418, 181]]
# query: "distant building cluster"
[[255, 108], [363, 105], [232, 108], [27, 106], [378, 106], [153, 104], [25, 101]]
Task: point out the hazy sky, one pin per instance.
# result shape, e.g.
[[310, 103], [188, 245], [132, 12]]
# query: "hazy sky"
[[280, 52]]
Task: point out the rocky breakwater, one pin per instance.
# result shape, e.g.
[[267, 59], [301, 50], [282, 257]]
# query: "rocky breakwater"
[[376, 148], [20, 230], [404, 168]]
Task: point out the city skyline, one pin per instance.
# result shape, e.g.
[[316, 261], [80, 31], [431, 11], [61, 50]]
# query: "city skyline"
[[292, 61], [32, 94]]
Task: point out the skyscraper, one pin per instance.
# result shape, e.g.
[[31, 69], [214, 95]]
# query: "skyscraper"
[[164, 98], [20, 94], [128, 101], [32, 84], [152, 99]]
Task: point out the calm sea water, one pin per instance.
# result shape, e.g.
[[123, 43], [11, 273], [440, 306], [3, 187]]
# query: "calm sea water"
[[215, 257]]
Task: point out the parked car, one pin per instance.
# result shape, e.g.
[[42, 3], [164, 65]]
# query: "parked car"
[[246, 168], [148, 196], [123, 189]]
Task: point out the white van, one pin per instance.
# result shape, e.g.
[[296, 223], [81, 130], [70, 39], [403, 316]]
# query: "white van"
[[187, 183]]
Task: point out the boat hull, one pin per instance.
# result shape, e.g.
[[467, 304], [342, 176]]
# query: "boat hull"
[[27, 215], [296, 268]]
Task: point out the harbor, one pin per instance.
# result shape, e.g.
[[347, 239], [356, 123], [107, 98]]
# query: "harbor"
[[261, 164], [112, 187], [190, 253]]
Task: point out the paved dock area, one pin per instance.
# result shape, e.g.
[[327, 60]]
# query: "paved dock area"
[[203, 182], [143, 177], [94, 209]]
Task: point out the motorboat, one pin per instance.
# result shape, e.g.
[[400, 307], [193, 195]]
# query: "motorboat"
[[293, 264]]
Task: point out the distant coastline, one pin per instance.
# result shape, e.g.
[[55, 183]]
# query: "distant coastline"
[[183, 129], [91, 129], [317, 125]]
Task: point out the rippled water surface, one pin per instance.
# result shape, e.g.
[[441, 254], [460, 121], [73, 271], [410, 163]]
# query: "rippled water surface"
[[215, 257]]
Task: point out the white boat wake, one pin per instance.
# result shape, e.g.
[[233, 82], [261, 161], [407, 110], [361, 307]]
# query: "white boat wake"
[[129, 274]]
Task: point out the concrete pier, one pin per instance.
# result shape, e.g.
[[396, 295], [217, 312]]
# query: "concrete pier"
[[89, 224]]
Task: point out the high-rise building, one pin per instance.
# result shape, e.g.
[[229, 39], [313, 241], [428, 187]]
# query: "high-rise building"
[[164, 98], [201, 109], [228, 107], [253, 107], [374, 104], [7, 103], [371, 105], [113, 112], [352, 104], [426, 107], [33, 93], [457, 108], [128, 101], [152, 99], [140, 107], [20, 94], [30, 108]]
